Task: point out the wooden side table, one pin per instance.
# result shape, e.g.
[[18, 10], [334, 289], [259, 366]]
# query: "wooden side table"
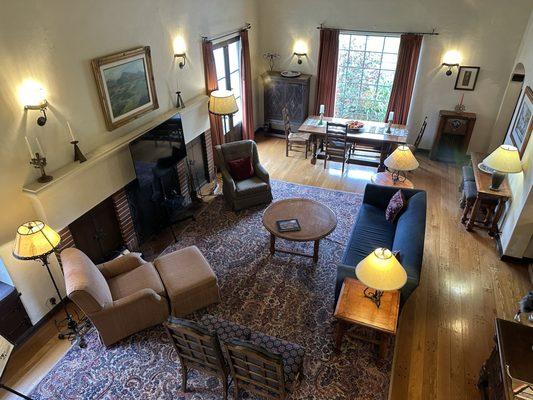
[[484, 192], [354, 308], [385, 179]]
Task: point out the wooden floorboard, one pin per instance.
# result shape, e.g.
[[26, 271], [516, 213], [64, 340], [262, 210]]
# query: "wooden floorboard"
[[446, 327]]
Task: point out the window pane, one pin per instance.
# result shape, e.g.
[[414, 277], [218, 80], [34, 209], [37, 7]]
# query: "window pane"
[[222, 84], [389, 61], [236, 83], [237, 117], [392, 44], [386, 78], [234, 59], [374, 43], [358, 42], [344, 42], [373, 60], [219, 63]]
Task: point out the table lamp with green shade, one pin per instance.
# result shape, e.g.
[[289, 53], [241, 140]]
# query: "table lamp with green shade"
[[400, 161], [504, 160], [381, 271], [36, 241]]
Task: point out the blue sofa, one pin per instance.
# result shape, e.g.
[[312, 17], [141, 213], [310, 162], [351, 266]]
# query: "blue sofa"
[[371, 230]]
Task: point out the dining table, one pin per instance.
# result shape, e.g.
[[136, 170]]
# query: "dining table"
[[372, 137]]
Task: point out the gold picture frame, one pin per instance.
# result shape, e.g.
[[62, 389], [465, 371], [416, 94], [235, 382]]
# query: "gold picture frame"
[[126, 87], [522, 125]]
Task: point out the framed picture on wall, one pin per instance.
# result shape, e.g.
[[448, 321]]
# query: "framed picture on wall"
[[523, 123], [126, 85], [466, 78]]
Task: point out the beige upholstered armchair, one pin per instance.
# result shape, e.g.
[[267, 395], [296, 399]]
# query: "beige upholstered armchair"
[[120, 297], [248, 192]]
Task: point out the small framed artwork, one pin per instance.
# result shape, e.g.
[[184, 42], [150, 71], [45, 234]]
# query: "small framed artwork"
[[288, 225], [466, 78], [126, 85], [522, 125]]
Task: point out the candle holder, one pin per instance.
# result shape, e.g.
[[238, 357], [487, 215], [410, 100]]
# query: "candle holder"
[[40, 162], [389, 127], [321, 120], [460, 108], [78, 155]]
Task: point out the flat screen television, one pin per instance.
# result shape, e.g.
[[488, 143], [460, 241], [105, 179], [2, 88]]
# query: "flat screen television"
[[155, 197]]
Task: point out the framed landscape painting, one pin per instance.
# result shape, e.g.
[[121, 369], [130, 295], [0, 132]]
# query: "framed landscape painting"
[[523, 123], [126, 85]]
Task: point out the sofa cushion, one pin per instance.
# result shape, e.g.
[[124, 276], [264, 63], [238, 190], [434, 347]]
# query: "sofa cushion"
[[292, 354], [409, 236], [142, 277], [250, 186], [241, 168], [85, 284], [370, 231], [396, 205]]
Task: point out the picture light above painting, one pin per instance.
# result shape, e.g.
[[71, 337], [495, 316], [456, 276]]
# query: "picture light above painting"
[[126, 87]]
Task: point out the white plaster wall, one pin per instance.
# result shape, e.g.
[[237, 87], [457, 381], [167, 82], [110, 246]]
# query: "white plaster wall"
[[53, 42], [486, 32], [517, 227]]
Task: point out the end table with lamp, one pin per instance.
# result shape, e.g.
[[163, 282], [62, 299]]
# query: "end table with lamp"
[[373, 299], [398, 163], [36, 241]]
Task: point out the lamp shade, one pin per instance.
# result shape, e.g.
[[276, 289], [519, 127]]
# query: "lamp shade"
[[222, 102], [35, 239], [504, 159], [401, 159], [381, 270]]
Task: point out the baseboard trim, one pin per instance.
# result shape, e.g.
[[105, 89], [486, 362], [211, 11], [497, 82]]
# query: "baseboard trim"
[[510, 259]]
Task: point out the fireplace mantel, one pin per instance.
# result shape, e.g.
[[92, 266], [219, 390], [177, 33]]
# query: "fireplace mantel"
[[77, 188]]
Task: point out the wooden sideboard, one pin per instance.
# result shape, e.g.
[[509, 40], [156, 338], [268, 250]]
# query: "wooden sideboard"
[[280, 92], [14, 321], [453, 136], [508, 372]]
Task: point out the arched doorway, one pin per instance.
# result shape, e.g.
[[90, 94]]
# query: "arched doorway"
[[507, 108]]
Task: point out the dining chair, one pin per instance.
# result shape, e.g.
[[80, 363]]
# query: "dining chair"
[[414, 146], [336, 145], [294, 141], [199, 349]]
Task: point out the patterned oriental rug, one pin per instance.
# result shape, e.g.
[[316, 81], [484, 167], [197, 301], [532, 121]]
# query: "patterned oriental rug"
[[281, 295]]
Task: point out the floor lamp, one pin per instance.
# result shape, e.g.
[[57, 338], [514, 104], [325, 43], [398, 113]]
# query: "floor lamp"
[[36, 241], [223, 104]]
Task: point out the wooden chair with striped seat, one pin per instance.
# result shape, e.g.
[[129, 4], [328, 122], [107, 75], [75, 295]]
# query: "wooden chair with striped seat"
[[336, 145], [294, 141], [199, 349]]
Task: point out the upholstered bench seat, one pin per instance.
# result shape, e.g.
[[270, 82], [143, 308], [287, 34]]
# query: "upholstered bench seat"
[[189, 281]]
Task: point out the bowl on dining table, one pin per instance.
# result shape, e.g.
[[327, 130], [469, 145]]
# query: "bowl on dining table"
[[355, 126]]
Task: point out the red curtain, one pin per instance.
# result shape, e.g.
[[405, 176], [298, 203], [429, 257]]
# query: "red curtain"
[[248, 126], [328, 55], [210, 73], [404, 79]]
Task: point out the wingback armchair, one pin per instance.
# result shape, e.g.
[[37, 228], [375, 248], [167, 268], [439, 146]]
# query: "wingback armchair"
[[248, 192], [120, 297]]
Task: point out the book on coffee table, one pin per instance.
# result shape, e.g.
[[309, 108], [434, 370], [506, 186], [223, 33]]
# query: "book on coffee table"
[[288, 225]]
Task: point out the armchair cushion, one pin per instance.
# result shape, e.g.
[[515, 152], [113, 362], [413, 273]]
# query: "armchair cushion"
[[120, 265], [250, 186], [142, 277], [241, 168]]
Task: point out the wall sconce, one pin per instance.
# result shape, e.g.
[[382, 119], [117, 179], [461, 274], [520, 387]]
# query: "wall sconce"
[[451, 59], [300, 50], [32, 96], [179, 51]]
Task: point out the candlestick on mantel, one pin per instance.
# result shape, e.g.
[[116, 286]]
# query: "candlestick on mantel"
[[72, 138], [40, 162], [78, 155], [390, 119], [40, 147], [321, 111]]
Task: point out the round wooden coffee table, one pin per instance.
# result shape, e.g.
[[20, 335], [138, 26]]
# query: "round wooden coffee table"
[[385, 179], [316, 222]]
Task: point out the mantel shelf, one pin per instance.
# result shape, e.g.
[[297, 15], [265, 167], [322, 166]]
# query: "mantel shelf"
[[104, 151]]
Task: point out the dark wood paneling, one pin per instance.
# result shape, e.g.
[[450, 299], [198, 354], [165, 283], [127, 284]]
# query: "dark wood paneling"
[[14, 321]]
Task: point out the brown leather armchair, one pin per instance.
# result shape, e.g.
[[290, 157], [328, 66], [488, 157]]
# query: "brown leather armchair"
[[120, 297]]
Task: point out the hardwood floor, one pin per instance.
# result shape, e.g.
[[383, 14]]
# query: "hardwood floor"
[[446, 327]]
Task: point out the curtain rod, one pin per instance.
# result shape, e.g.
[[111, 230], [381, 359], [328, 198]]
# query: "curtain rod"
[[223, 35], [432, 33]]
